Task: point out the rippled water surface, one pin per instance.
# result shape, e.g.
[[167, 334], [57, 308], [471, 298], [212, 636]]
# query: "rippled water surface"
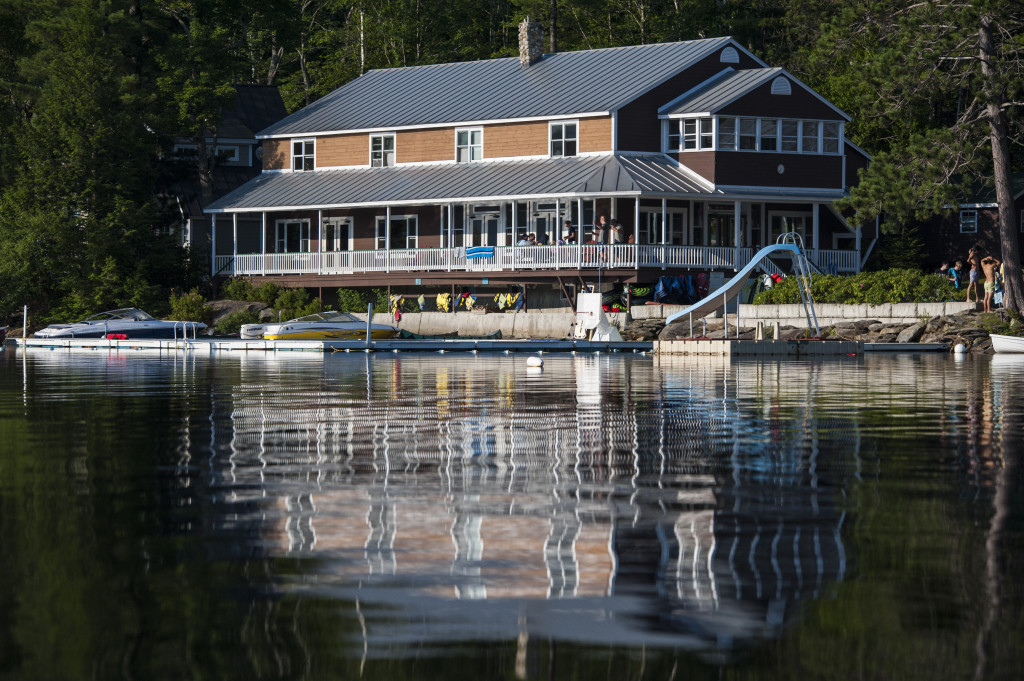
[[424, 516]]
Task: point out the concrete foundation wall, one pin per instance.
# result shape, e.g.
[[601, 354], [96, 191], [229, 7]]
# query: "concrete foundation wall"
[[562, 324]]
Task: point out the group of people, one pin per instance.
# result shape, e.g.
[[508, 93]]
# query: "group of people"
[[989, 266], [604, 232]]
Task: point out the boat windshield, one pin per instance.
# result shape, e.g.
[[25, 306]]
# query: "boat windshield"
[[124, 314], [328, 316]]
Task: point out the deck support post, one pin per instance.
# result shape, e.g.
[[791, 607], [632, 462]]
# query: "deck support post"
[[213, 244], [737, 232]]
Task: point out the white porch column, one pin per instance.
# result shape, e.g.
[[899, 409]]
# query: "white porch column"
[[815, 212], [858, 242], [689, 225], [213, 244], [451, 235], [320, 233], [263, 243], [737, 219], [664, 222], [387, 240], [234, 235], [558, 215], [579, 236]]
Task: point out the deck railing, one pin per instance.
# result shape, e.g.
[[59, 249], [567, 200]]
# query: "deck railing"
[[512, 258]]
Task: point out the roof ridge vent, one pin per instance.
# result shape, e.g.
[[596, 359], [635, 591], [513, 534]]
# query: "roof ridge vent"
[[531, 39], [781, 86]]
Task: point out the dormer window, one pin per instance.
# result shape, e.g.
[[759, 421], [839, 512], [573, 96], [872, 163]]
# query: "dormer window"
[[382, 150], [303, 154], [563, 136], [690, 134], [469, 145]]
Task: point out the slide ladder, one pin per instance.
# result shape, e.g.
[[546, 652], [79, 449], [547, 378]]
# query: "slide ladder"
[[789, 242]]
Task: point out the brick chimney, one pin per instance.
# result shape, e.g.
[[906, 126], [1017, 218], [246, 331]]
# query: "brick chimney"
[[531, 41]]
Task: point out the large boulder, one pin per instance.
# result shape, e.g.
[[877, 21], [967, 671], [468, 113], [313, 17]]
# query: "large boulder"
[[911, 334]]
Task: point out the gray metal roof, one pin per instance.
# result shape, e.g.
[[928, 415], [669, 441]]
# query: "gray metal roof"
[[564, 83], [727, 88], [456, 182]]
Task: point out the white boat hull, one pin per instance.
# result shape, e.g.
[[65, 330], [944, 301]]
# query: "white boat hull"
[[1007, 344]]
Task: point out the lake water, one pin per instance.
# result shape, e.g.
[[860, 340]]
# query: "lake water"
[[457, 516]]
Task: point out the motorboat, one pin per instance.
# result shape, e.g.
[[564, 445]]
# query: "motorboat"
[[1006, 344], [327, 325], [122, 324]]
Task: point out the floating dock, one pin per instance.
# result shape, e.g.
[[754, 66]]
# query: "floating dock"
[[798, 347], [217, 345]]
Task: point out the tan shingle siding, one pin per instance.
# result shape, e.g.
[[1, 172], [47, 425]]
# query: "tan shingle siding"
[[276, 154], [343, 150], [595, 134], [515, 139], [418, 146]]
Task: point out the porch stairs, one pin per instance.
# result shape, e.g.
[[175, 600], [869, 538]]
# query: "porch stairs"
[[789, 243]]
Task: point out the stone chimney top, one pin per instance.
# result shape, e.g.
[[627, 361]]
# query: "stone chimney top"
[[531, 39]]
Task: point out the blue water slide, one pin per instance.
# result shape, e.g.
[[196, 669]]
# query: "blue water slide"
[[733, 286]]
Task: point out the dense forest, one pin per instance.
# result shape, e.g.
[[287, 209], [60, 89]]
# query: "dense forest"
[[93, 92]]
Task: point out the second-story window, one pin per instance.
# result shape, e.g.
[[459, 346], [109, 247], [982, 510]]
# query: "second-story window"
[[968, 222], [694, 133], [469, 145], [303, 154], [382, 150], [563, 138]]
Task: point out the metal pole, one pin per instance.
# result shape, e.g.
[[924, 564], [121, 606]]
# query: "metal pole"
[[24, 323], [725, 315], [691, 325], [369, 322]]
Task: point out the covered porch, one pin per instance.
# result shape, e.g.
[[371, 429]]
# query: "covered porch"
[[384, 221]]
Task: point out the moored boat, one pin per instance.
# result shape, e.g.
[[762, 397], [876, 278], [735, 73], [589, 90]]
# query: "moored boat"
[[122, 324], [1006, 344], [327, 325]]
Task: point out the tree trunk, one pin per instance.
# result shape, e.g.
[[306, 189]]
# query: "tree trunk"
[[1013, 287], [552, 39]]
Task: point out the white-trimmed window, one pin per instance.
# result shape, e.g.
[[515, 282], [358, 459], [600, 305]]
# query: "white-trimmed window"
[[809, 137], [564, 138], [727, 133], [292, 236], [968, 222], [748, 134], [303, 154], [469, 145], [382, 150], [692, 133], [769, 134], [404, 232], [830, 137], [790, 136]]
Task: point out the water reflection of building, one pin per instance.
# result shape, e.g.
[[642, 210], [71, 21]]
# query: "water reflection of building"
[[694, 497]]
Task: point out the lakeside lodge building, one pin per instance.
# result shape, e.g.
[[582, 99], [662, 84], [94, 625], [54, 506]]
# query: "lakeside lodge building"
[[700, 150]]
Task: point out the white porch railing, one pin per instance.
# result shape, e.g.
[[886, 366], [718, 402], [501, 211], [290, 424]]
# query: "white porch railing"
[[511, 258]]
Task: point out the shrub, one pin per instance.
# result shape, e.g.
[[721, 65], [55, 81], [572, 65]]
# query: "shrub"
[[189, 307], [295, 302], [237, 289], [266, 294], [350, 300], [874, 288], [231, 324]]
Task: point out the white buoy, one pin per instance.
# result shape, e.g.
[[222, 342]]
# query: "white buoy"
[[959, 349], [441, 351], [534, 362]]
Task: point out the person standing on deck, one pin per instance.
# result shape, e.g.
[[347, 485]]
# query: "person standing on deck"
[[601, 230]]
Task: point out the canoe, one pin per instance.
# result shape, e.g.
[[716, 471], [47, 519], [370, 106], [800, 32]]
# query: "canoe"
[[1007, 344]]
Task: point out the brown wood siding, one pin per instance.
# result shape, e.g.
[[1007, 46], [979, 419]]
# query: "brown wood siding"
[[276, 154], [761, 102], [700, 162], [417, 146], [343, 150], [760, 170], [595, 134], [639, 127], [855, 161], [515, 139]]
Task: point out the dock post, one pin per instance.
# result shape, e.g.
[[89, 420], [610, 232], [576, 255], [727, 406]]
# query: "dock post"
[[24, 323], [369, 322]]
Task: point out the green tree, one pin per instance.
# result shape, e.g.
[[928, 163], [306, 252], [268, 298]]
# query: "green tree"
[[76, 219], [943, 89]]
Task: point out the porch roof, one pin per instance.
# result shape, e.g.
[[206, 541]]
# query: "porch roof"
[[581, 176]]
